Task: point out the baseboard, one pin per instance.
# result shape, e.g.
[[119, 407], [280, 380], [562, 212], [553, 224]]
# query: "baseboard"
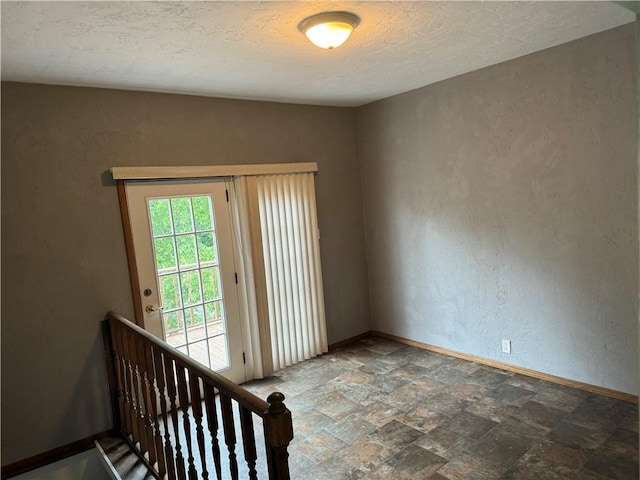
[[347, 341], [45, 458], [627, 397]]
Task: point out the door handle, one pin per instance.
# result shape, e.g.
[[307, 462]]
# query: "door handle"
[[151, 309]]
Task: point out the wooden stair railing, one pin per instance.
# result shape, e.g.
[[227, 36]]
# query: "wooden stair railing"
[[169, 408]]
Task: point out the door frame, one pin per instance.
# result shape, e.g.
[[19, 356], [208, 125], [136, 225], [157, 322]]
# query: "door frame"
[[122, 174], [131, 254]]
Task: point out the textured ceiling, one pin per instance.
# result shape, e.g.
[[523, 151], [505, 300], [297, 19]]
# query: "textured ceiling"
[[253, 50]]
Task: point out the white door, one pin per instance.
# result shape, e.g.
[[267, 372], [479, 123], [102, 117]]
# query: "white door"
[[187, 278]]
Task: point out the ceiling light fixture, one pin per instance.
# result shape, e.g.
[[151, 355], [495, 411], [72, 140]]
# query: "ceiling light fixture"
[[330, 29]]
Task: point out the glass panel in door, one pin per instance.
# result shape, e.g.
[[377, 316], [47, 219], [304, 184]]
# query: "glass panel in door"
[[188, 276]]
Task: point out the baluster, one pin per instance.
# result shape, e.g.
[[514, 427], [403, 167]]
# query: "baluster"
[[145, 397], [229, 433], [131, 388], [171, 385], [249, 441], [278, 433], [196, 406], [153, 394], [122, 367], [159, 360], [184, 406], [212, 423], [138, 388]]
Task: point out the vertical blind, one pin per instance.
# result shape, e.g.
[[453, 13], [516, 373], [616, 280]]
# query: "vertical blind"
[[281, 279], [291, 256]]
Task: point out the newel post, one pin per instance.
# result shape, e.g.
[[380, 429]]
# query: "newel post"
[[110, 361], [278, 434]]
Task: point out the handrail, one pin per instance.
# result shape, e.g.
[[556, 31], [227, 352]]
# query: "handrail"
[[161, 397], [236, 392]]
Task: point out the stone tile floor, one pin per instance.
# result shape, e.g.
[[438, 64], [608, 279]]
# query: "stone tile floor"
[[377, 409]]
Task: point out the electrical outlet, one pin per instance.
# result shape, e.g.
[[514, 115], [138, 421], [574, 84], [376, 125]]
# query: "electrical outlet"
[[506, 346]]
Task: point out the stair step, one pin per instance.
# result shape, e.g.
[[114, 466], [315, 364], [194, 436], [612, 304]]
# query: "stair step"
[[124, 460]]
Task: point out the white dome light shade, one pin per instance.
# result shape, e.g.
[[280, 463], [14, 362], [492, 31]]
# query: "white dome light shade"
[[329, 30], [329, 35]]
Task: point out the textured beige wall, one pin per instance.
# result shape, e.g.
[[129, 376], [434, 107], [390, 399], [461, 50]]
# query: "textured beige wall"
[[63, 253], [502, 204]]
